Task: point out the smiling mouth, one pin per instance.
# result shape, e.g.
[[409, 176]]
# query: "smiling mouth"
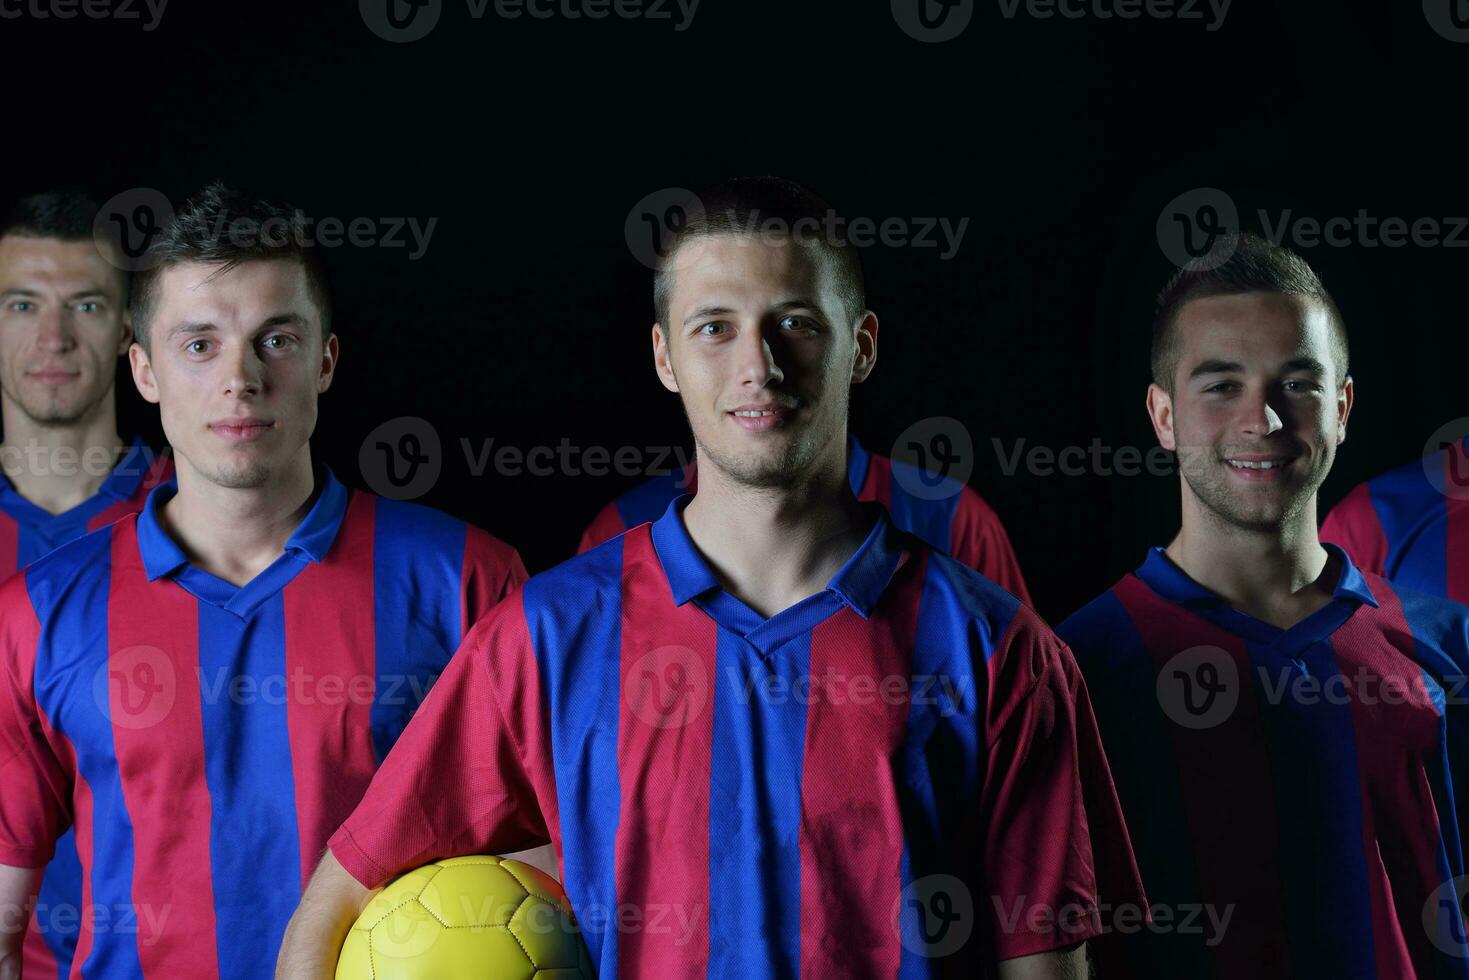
[[1259, 464]]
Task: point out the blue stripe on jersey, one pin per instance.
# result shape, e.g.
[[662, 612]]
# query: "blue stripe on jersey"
[[1122, 682], [57, 900], [76, 630], [1318, 792], [756, 756], [930, 517], [417, 576], [648, 500], [1413, 516], [581, 690], [252, 789]]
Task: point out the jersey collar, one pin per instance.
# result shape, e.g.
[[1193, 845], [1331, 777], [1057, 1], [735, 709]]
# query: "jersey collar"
[[859, 583], [311, 540], [1160, 574], [121, 483]]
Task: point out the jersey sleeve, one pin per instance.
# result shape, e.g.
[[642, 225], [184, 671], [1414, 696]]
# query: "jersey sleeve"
[[1353, 524], [979, 541], [1055, 848], [604, 527], [459, 780], [492, 570], [35, 783]]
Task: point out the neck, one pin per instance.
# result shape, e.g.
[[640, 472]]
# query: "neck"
[[774, 546], [236, 533], [1277, 575], [57, 467]]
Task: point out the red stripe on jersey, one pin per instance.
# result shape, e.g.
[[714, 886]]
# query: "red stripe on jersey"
[[1218, 768], [1395, 720], [478, 591], [663, 763], [159, 472], [9, 546], [331, 679], [604, 527], [38, 959], [160, 761], [528, 716], [1456, 471], [1353, 524], [82, 801], [852, 832], [879, 483]]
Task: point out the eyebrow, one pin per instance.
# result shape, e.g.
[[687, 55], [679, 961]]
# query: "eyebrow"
[[714, 309], [81, 294], [1217, 366], [205, 326]]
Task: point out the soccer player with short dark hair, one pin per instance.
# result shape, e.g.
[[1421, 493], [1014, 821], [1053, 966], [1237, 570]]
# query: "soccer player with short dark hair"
[[66, 470], [770, 733], [1287, 731], [204, 689]]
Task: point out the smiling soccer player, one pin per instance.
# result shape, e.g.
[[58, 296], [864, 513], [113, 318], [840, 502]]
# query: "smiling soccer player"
[[1287, 732], [204, 689], [722, 720]]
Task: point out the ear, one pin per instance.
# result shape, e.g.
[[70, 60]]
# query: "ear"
[[125, 339], [142, 370], [1344, 399], [663, 359], [1160, 410], [330, 352], [866, 349]]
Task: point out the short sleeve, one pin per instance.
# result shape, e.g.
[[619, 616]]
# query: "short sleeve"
[[979, 541], [457, 781], [1055, 849], [1353, 525], [604, 527], [492, 570], [35, 784]]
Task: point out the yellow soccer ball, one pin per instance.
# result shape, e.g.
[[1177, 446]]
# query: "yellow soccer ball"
[[467, 918]]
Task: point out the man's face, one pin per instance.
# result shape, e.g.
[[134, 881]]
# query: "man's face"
[[762, 353], [62, 328], [235, 362], [1258, 407]]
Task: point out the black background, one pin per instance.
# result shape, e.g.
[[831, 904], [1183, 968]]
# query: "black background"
[[531, 141]]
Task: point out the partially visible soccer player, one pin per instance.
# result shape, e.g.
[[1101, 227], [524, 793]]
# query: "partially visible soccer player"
[[204, 689], [769, 735], [1411, 524], [1287, 731], [949, 516], [66, 470]]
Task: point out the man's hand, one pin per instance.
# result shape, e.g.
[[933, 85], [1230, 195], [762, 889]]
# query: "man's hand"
[[1068, 964], [17, 896], [315, 934]]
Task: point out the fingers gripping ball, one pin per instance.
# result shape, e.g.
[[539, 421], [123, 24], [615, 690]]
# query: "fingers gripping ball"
[[467, 918]]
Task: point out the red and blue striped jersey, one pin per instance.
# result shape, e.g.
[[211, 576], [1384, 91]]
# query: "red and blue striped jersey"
[[1296, 796], [27, 531], [1411, 524], [897, 776], [949, 516], [205, 739]]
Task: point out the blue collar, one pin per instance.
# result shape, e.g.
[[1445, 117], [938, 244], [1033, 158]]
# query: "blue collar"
[[858, 459], [1159, 573], [121, 483], [311, 540], [859, 583]]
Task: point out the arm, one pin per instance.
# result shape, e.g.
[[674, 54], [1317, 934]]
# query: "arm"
[[1067, 964], [315, 934], [17, 896]]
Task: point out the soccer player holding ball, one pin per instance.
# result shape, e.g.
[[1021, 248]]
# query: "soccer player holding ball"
[[769, 734], [1288, 732], [203, 690]]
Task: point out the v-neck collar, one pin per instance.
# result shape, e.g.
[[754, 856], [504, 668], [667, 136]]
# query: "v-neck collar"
[[1159, 573], [310, 542], [859, 584], [121, 483]]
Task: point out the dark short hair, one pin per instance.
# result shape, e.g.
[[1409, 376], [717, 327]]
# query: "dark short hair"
[[226, 226], [765, 206], [68, 216], [1237, 264]]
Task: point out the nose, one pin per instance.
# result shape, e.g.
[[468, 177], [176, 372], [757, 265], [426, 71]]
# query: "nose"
[[756, 359], [54, 332], [1260, 419], [244, 375]]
